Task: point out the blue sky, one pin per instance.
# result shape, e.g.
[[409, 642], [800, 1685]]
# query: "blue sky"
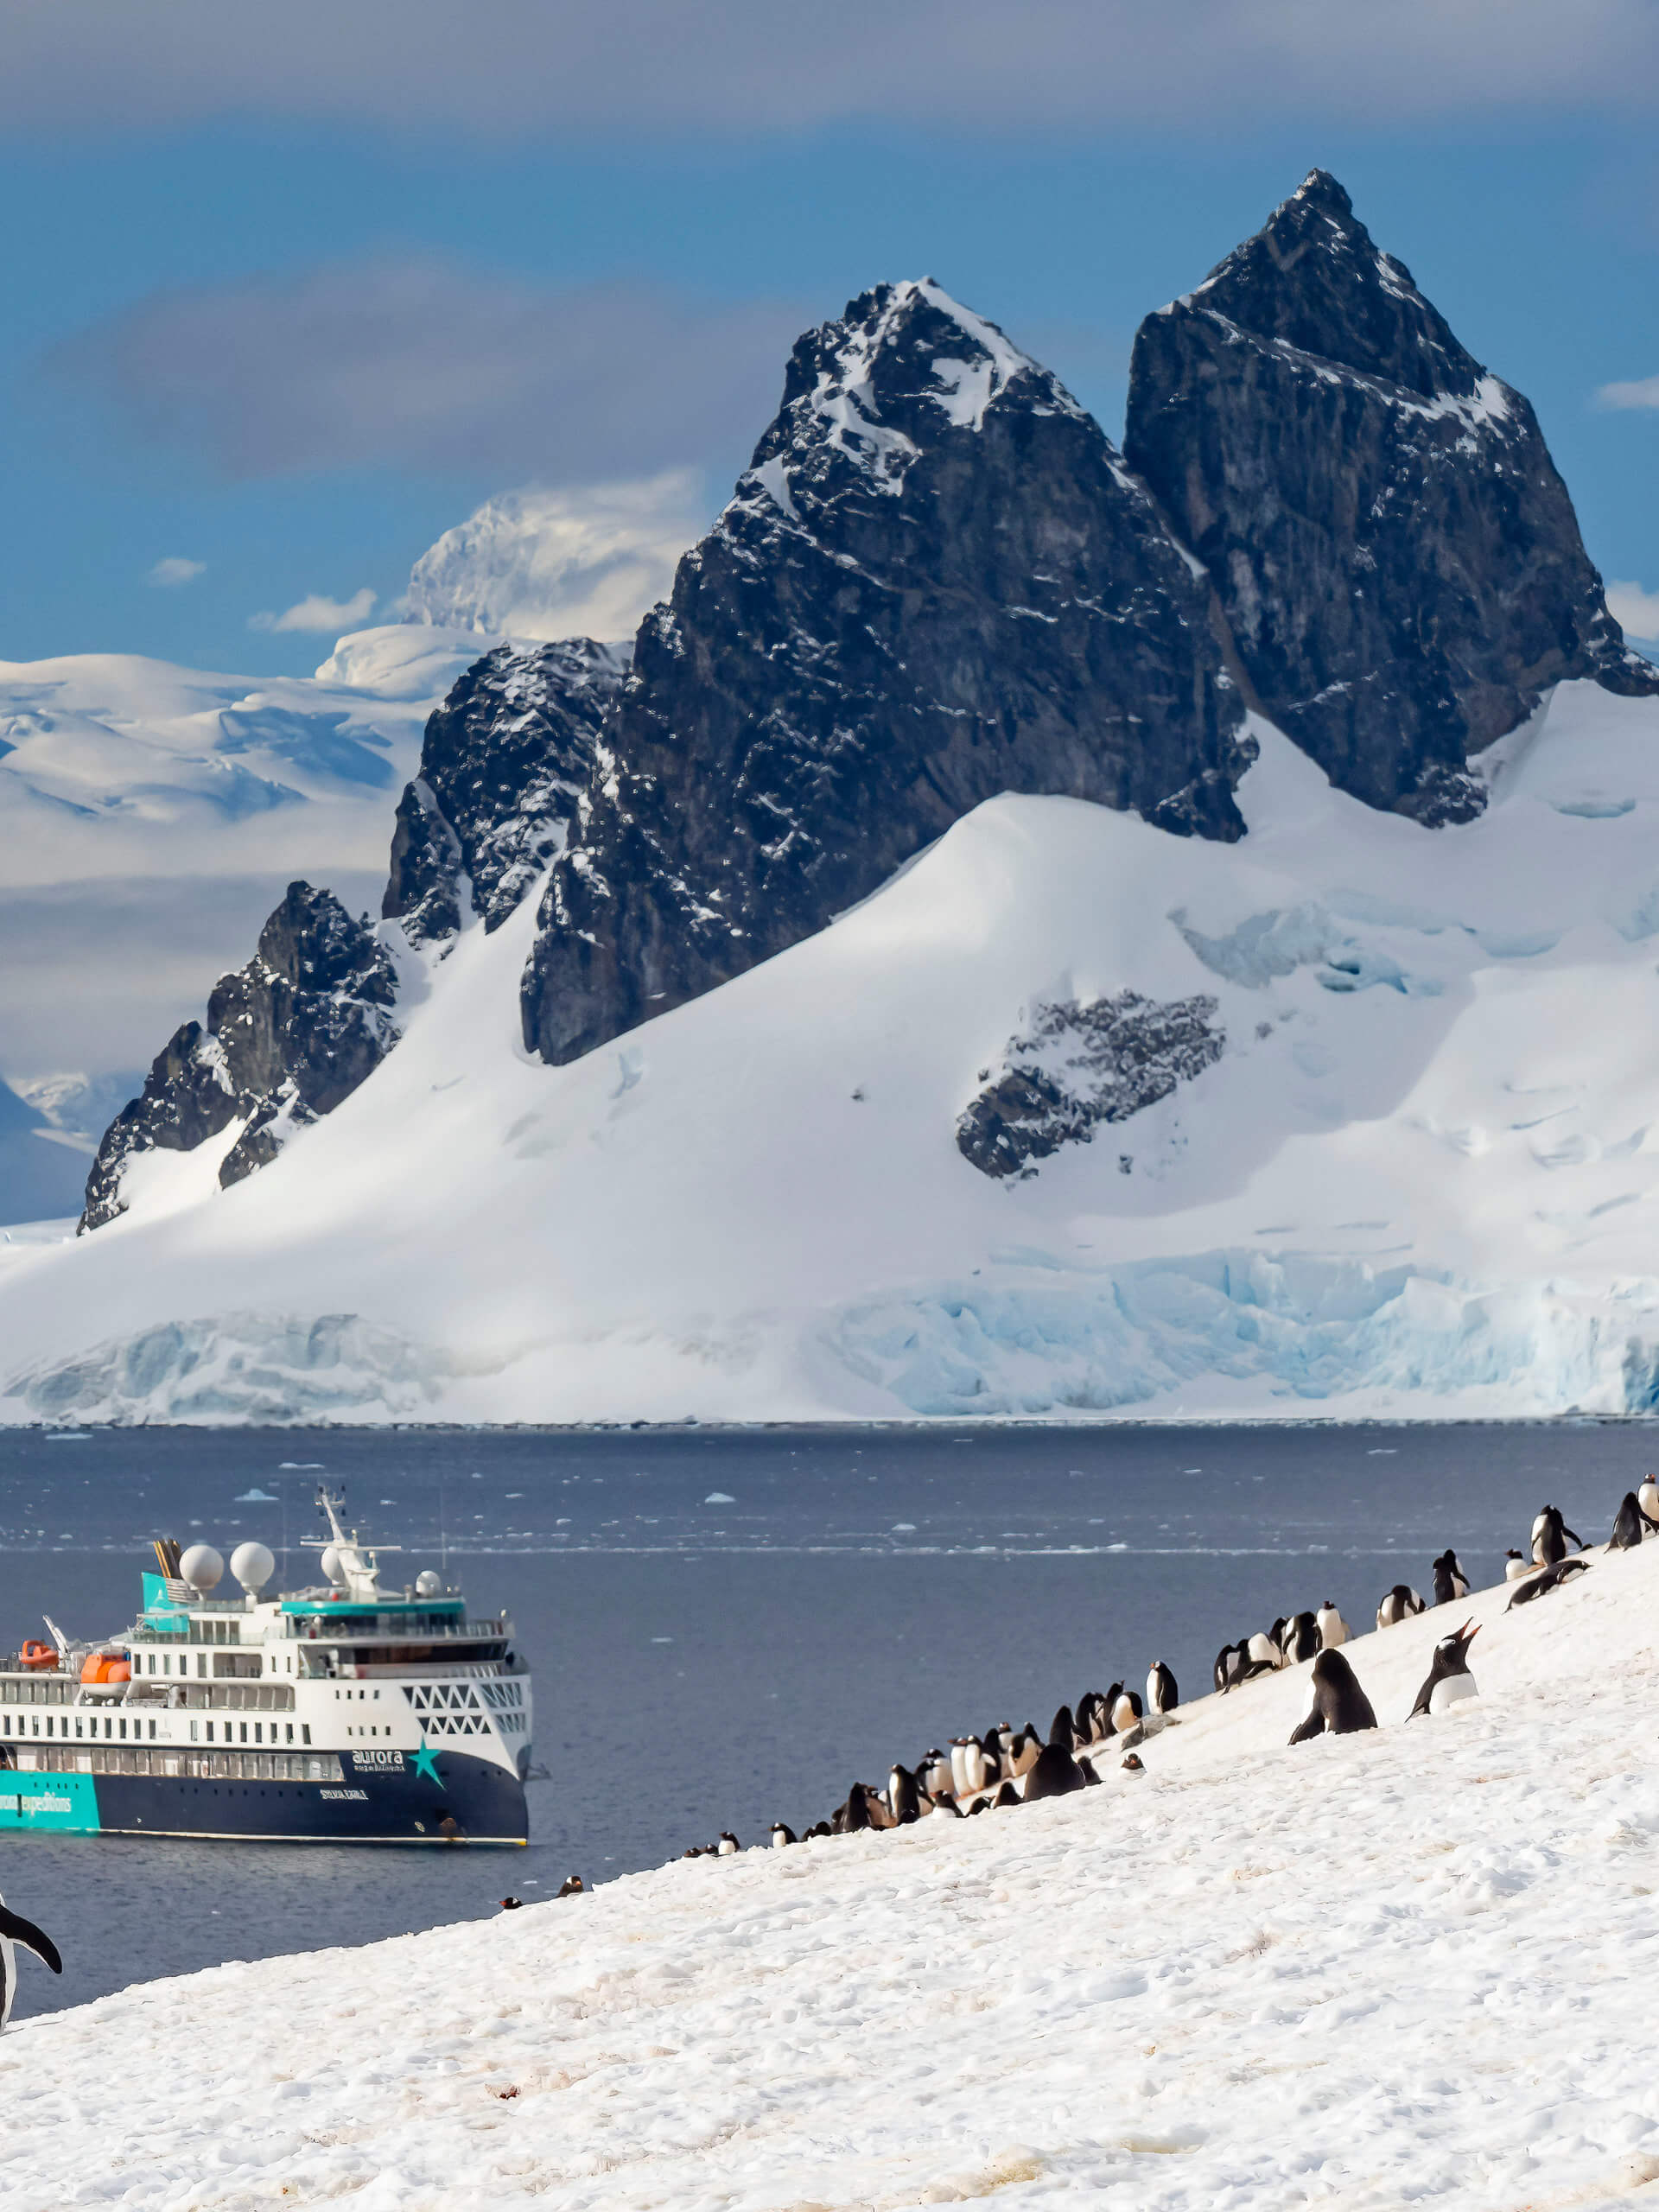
[[288, 319]]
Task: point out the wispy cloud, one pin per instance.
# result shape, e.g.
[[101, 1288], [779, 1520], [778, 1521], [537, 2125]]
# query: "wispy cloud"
[[318, 612], [539, 563], [631, 69], [426, 364], [175, 570], [1636, 611], [1643, 393]]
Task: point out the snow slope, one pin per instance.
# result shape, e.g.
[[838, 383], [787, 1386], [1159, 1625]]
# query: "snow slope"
[[1420, 1178], [1412, 1967]]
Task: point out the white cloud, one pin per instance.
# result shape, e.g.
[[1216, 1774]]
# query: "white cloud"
[[318, 612], [1636, 611], [175, 570], [629, 70], [540, 563], [427, 363], [1645, 392]]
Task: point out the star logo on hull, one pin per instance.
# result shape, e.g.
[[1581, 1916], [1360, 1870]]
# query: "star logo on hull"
[[425, 1763]]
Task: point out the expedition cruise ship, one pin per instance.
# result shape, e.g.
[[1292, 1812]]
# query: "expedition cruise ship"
[[340, 1714]]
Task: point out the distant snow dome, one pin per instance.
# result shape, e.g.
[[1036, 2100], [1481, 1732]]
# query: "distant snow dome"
[[584, 562]]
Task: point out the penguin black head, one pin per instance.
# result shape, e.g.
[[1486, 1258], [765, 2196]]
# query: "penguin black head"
[[1452, 1652], [571, 1886], [1135, 1763], [510, 1905]]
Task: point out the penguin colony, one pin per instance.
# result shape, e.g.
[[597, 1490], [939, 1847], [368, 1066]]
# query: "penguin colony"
[[1007, 1766]]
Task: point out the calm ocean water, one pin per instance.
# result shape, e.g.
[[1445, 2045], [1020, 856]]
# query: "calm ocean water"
[[727, 1628]]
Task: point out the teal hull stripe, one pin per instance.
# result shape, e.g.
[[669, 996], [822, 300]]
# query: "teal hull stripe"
[[66, 1803]]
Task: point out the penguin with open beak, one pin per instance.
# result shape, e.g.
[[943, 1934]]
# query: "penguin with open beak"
[[1449, 1679]]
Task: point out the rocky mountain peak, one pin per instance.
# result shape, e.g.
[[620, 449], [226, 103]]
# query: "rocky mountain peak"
[[1312, 278]]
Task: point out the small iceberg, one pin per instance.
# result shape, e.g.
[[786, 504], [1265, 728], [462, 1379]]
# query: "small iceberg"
[[255, 1497], [719, 1497]]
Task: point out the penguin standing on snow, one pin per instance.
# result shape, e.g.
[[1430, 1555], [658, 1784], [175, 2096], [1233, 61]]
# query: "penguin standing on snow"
[[729, 1846], [1163, 1696], [1024, 1751], [1126, 1711], [934, 1772], [1630, 1525], [782, 1836], [1333, 1630], [1449, 1679], [1063, 1729], [1336, 1705], [1301, 1639], [1516, 1564], [1549, 1538], [1055, 1774], [14, 1930], [1451, 1583], [904, 1798], [1399, 1605], [1647, 1497]]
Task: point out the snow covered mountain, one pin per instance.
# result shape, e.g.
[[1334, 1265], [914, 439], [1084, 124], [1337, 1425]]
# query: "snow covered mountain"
[[927, 978]]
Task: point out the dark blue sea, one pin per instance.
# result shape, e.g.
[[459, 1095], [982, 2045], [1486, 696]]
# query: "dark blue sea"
[[728, 1628]]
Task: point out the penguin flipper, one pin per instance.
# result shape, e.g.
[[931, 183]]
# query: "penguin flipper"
[[32, 1938], [1304, 1730]]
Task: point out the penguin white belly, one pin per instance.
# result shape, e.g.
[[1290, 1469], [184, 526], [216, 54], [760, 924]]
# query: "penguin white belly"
[[8, 1978], [1648, 1499], [1451, 1691]]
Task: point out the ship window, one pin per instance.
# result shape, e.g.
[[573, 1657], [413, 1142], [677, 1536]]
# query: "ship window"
[[288, 1736], [152, 1731], [124, 1728], [258, 1733], [244, 1731], [210, 1731], [305, 1732], [192, 1732]]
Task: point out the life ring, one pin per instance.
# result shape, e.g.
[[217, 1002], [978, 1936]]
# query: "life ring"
[[36, 1654]]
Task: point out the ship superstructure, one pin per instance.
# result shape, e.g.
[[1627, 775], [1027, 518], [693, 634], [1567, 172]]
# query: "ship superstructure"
[[341, 1712]]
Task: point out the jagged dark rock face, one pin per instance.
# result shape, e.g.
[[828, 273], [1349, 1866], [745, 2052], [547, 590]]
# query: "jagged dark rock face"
[[936, 582], [505, 760], [288, 1037], [1398, 559], [1078, 1066]]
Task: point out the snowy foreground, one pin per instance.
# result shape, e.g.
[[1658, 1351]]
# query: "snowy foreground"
[[1413, 1966], [1418, 1181]]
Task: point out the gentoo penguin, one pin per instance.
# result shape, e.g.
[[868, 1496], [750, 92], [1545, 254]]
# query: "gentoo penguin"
[[1088, 1716], [510, 1904], [1055, 1774], [904, 1798], [1549, 1538], [1023, 1753], [729, 1846], [1264, 1653], [1551, 1579], [934, 1770], [1449, 1679], [1108, 1714], [1276, 1636], [1135, 1763], [14, 1930], [1647, 1497], [1336, 1705], [1163, 1696], [1399, 1605], [1252, 1656], [824, 1827], [1333, 1630], [1229, 1661], [1007, 1794], [945, 1804], [853, 1812], [1516, 1564], [1063, 1729], [1450, 1582], [782, 1836], [1126, 1711], [1630, 1525], [1301, 1639], [967, 1765]]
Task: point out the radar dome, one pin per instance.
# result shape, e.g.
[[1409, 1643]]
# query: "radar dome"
[[253, 1566], [427, 1584], [332, 1568], [202, 1567]]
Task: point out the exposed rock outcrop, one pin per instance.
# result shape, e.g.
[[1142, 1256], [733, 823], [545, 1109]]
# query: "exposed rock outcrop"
[[287, 1037], [936, 582], [1079, 1066], [1398, 559], [505, 760]]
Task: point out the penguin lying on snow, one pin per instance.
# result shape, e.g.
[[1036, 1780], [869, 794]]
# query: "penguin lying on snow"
[[571, 1886], [782, 1836], [1399, 1605], [1449, 1679], [1632, 1525], [1551, 1579], [14, 1930], [1055, 1774], [1336, 1705], [1516, 1564], [1451, 1583]]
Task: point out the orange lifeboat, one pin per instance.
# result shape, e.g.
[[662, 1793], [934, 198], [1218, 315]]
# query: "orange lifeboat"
[[104, 1667], [40, 1657]]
